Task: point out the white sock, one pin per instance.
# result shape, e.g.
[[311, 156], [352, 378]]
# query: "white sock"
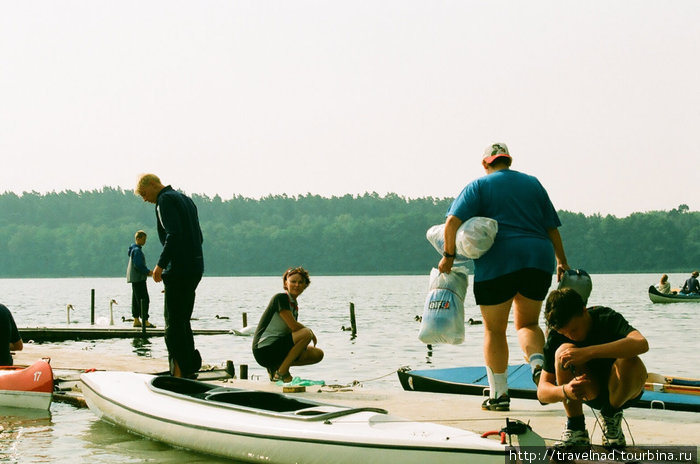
[[536, 359], [498, 383]]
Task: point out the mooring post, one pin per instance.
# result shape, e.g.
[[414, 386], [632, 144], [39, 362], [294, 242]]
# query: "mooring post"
[[244, 371], [245, 320], [352, 319], [143, 318], [111, 312], [230, 368], [92, 307]]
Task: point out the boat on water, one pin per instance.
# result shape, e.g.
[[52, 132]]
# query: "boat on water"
[[657, 297], [27, 387], [260, 426], [661, 392]]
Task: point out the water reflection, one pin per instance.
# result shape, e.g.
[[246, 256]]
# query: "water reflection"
[[17, 426], [142, 347]]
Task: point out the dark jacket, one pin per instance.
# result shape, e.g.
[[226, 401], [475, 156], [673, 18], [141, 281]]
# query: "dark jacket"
[[136, 270], [179, 233], [691, 286], [8, 334]]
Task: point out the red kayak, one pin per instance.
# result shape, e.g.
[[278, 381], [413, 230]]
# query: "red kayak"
[[26, 387]]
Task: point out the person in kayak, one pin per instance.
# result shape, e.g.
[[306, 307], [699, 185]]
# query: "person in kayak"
[[10, 339], [280, 340], [517, 270], [664, 286], [592, 357], [691, 285]]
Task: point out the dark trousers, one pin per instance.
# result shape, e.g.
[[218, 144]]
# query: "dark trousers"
[[179, 304], [139, 292]]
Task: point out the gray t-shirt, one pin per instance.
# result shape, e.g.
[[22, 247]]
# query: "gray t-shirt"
[[271, 326]]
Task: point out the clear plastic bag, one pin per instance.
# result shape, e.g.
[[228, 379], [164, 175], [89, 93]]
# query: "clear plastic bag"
[[474, 237], [443, 314]]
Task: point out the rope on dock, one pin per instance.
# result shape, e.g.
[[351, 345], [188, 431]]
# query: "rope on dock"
[[355, 383]]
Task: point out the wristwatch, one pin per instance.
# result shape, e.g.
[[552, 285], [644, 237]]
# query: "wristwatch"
[[447, 255]]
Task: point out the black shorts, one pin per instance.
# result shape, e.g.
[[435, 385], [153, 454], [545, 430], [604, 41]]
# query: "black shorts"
[[529, 282], [271, 356], [599, 370], [602, 401]]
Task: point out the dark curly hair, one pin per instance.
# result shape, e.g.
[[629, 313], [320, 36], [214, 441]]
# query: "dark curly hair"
[[562, 306]]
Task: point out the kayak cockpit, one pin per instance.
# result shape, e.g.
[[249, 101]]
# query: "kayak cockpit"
[[260, 402]]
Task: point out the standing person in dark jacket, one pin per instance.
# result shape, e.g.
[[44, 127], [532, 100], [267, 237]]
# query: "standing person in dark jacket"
[[180, 267], [136, 274], [10, 338]]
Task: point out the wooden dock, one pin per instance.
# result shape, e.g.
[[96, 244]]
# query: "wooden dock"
[[55, 334], [648, 427]]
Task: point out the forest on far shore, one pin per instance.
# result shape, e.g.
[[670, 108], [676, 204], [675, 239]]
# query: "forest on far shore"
[[87, 233]]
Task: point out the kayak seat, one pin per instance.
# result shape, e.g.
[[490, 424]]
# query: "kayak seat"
[[259, 400]]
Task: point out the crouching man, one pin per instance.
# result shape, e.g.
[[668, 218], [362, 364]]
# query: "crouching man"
[[592, 357]]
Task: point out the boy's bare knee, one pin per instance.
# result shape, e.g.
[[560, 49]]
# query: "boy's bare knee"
[[306, 334], [560, 350]]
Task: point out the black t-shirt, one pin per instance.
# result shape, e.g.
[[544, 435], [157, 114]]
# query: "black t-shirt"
[[607, 326], [8, 334]]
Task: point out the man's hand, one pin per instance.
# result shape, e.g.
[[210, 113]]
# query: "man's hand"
[[446, 265], [571, 357], [157, 274], [578, 388]]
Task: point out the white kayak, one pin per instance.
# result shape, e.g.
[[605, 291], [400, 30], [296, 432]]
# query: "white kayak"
[[259, 426]]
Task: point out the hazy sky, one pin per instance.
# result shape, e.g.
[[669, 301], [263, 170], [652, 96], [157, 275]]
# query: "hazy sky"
[[598, 99]]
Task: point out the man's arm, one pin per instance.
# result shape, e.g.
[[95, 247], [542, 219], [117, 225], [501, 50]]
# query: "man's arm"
[[139, 261], [16, 346], [562, 264], [451, 225], [632, 345]]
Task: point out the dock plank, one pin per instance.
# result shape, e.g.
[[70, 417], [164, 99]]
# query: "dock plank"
[[54, 334]]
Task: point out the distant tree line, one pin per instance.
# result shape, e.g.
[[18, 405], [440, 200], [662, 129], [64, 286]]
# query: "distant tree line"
[[87, 233]]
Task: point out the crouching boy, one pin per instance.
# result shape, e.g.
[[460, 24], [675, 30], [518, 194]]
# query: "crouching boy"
[[592, 357]]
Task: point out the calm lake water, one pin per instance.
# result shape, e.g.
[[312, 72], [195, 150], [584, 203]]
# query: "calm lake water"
[[385, 308]]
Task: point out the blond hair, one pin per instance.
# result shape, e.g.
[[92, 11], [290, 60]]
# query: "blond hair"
[[140, 234], [144, 180]]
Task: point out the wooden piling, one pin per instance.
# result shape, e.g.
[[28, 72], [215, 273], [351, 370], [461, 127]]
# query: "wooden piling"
[[353, 325], [245, 320], [244, 371], [230, 368], [92, 307]]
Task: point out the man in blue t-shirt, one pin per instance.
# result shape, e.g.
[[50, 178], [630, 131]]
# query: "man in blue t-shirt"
[[10, 339], [592, 357], [517, 270]]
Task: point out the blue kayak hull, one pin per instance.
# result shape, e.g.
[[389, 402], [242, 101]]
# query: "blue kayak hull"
[[473, 381]]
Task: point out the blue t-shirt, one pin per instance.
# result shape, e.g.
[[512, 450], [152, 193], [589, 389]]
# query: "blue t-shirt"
[[524, 213]]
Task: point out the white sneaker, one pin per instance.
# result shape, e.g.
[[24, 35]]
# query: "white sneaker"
[[612, 431], [570, 438]]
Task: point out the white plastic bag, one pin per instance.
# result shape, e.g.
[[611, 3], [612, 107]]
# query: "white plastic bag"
[[474, 237], [443, 314]]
